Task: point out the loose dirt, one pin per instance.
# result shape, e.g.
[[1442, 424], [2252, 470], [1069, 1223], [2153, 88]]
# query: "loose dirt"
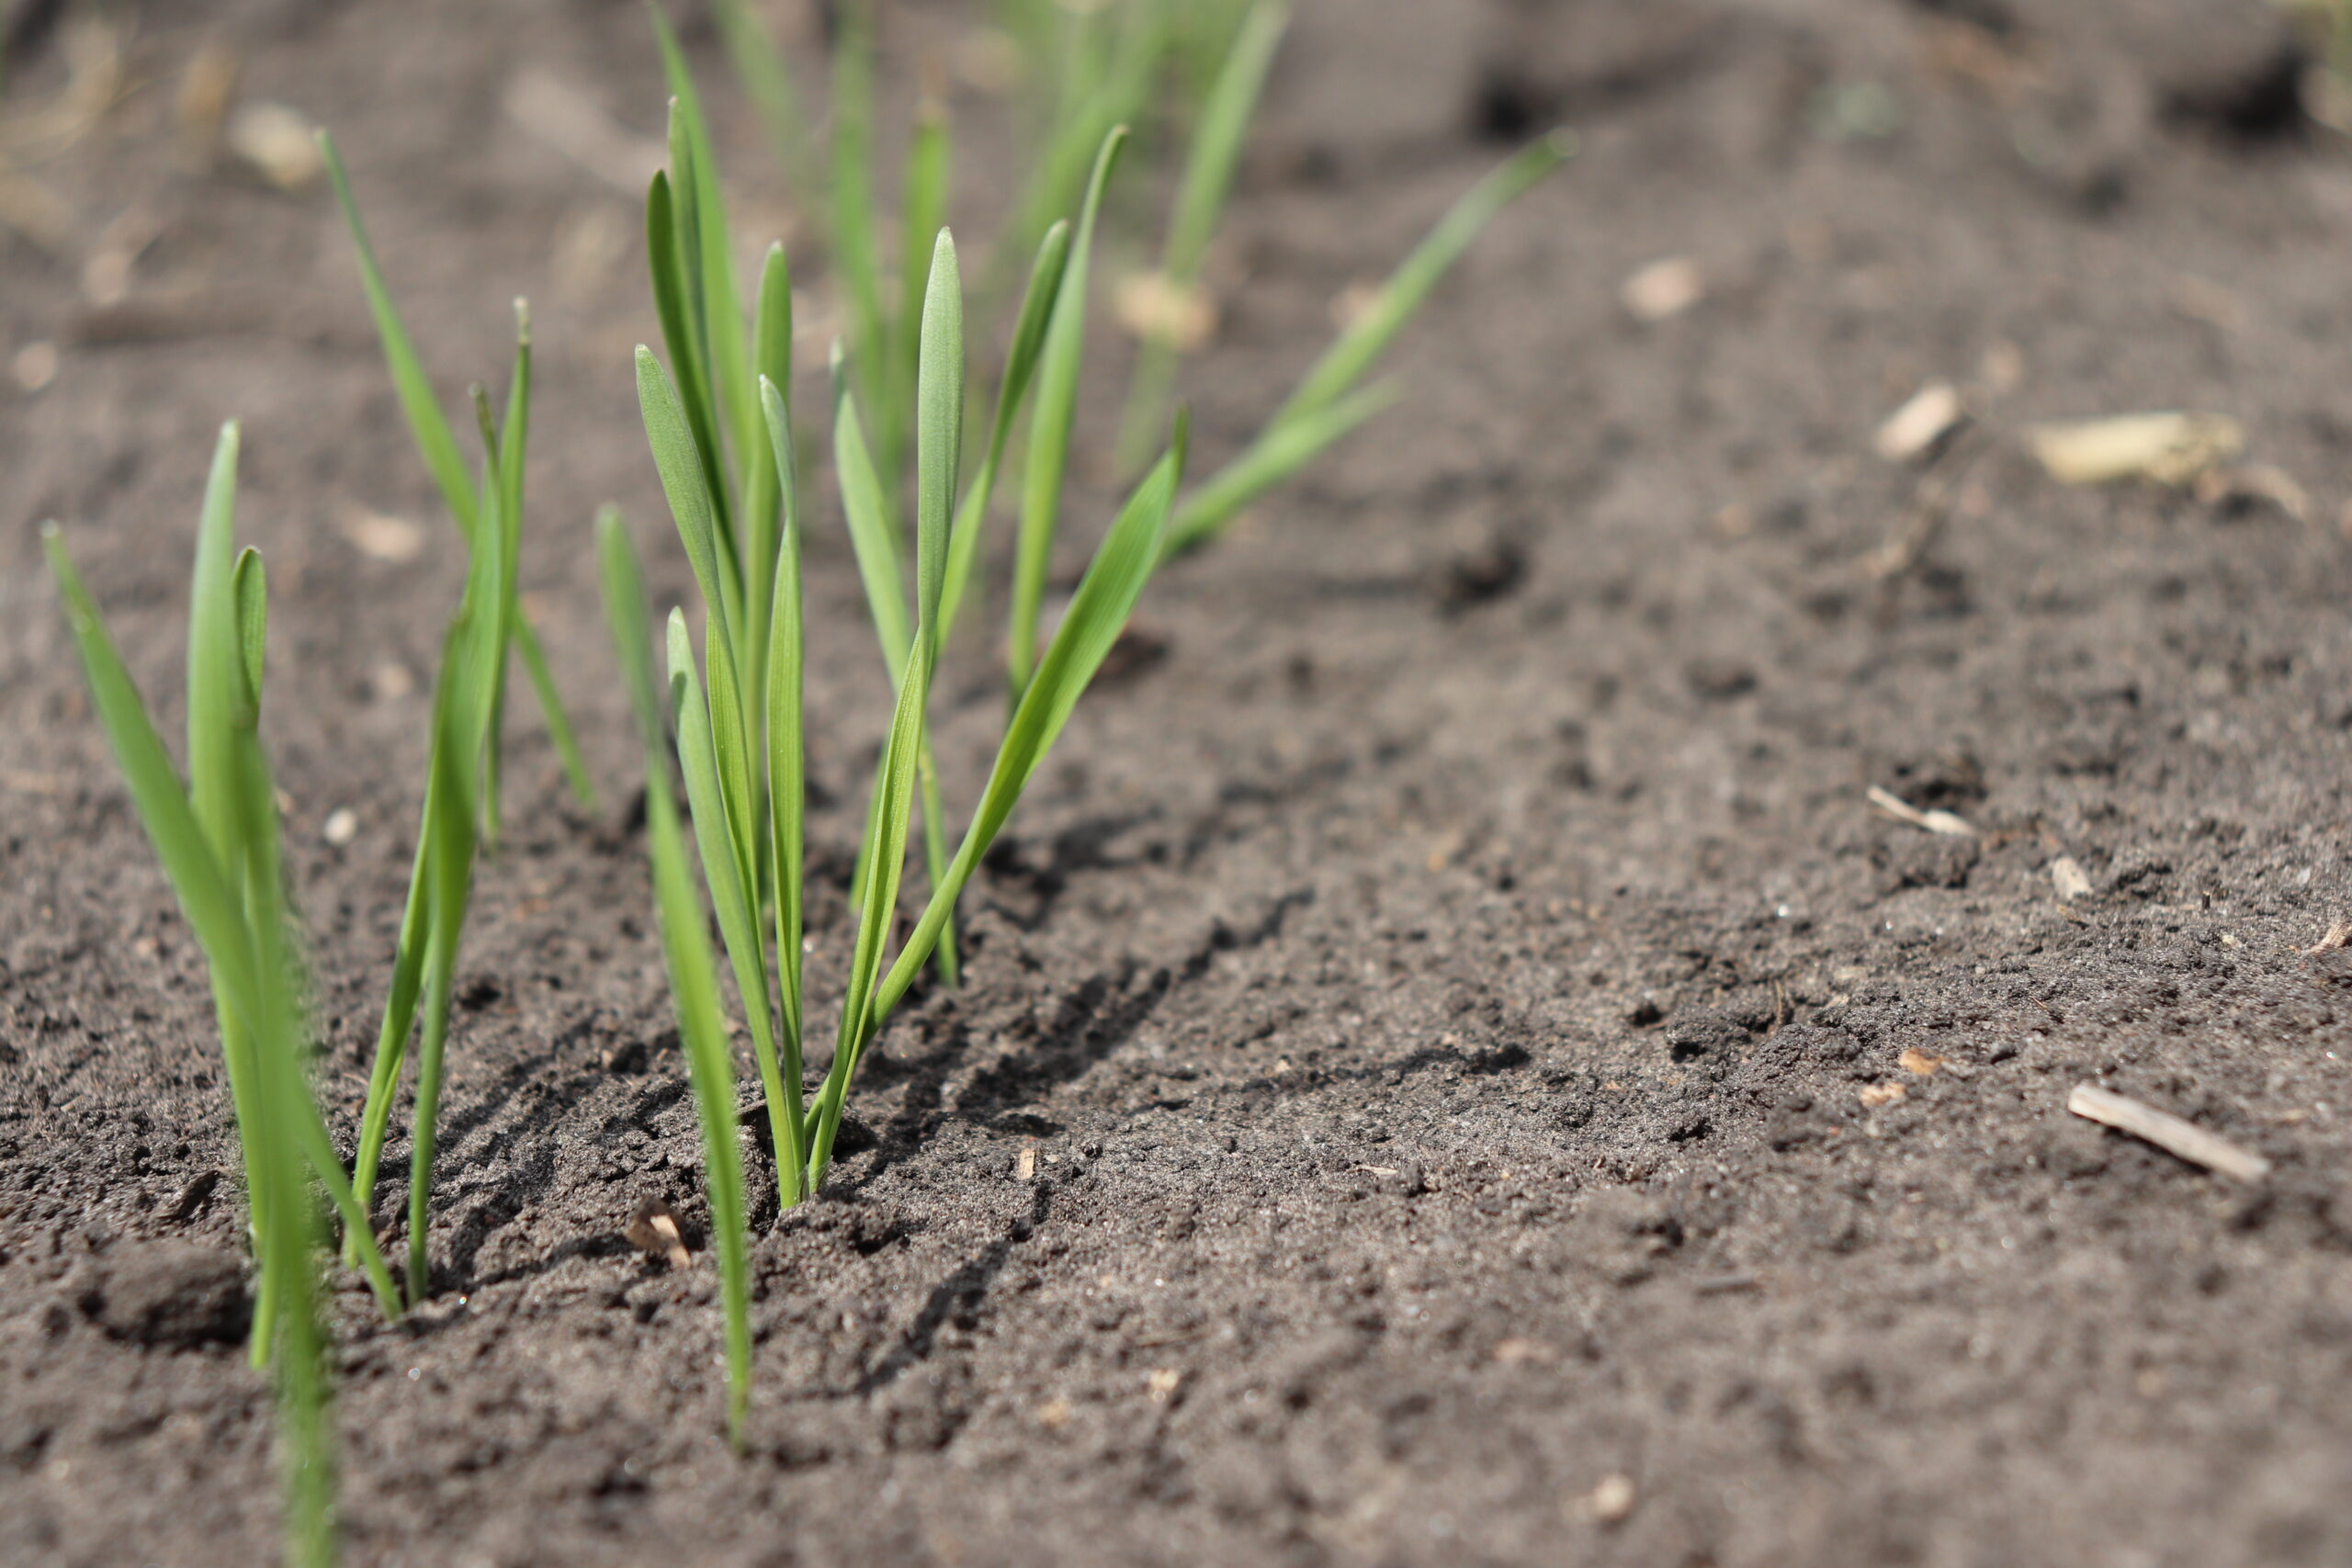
[[1498, 1093]]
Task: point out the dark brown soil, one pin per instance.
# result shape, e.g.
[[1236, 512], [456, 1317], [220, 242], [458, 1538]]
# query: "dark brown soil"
[[1441, 990]]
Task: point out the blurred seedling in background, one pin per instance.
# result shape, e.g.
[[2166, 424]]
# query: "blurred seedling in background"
[[1191, 71]]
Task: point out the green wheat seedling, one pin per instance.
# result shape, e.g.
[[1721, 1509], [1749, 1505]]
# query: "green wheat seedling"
[[461, 807], [217, 836], [737, 716]]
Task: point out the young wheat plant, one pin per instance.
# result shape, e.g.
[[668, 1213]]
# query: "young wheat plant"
[[736, 713], [462, 803], [218, 838]]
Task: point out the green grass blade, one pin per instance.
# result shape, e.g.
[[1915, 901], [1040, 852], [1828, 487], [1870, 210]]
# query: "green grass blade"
[[1217, 140], [437, 445], [216, 659], [763, 484], [219, 712], [870, 535], [1108, 86], [1028, 338], [560, 731], [401, 1002], [939, 452], [1280, 451], [702, 1030], [759, 67], [435, 442], [624, 589], [446, 866], [726, 334], [939, 427], [249, 585], [1049, 426], [465, 706], [512, 438], [922, 212], [732, 722], [1345, 362], [1097, 611], [787, 776], [856, 230], [720, 837], [885, 855], [678, 455], [665, 243]]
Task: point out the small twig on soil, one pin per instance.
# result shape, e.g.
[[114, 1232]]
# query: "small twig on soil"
[[2167, 1131]]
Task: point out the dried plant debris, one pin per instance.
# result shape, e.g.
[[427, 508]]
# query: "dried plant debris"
[[2067, 875], [1901, 810], [1917, 429], [2169, 1133], [1663, 290], [2330, 957], [2170, 448], [654, 1231], [2247, 486]]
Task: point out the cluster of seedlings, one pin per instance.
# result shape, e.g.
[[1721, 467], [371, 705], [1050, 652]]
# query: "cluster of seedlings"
[[719, 422]]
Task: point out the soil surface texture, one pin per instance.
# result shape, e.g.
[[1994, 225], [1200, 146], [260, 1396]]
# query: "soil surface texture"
[[1454, 1070]]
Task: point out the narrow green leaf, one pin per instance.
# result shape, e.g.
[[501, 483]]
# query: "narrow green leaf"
[[732, 723], [729, 338], [1097, 611], [436, 443], [764, 485], [1028, 338], [510, 442], [922, 212], [624, 590], [1218, 138], [1049, 427], [665, 239], [559, 731], [702, 1030], [787, 775], [250, 587], [676, 453], [720, 837], [1280, 451], [939, 442], [1345, 363], [856, 237], [939, 427], [768, 85], [869, 532], [885, 855]]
